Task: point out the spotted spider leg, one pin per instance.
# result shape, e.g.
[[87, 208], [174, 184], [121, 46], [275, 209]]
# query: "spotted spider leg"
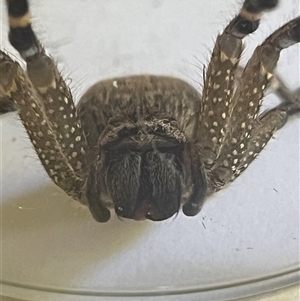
[[219, 85], [44, 103], [249, 131]]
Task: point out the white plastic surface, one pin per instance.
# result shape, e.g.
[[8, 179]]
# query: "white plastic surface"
[[244, 241]]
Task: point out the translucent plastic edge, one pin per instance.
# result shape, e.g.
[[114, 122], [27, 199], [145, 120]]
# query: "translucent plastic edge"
[[244, 288]]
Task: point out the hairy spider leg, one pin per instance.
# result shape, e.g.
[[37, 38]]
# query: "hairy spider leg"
[[17, 90], [220, 82], [45, 104], [249, 131]]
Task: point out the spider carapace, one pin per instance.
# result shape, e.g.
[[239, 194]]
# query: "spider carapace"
[[146, 145]]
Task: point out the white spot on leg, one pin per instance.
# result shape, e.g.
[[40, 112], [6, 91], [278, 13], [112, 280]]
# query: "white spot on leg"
[[79, 165], [223, 57], [225, 163]]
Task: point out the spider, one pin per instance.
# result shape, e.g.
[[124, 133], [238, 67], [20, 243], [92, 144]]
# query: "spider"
[[149, 145]]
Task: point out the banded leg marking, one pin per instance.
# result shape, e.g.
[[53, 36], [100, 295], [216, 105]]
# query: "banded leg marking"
[[51, 99], [220, 83], [246, 102]]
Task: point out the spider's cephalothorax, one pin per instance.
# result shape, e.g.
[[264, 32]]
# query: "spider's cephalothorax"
[[149, 145]]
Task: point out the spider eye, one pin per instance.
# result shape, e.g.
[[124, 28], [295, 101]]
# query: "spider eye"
[[119, 210]]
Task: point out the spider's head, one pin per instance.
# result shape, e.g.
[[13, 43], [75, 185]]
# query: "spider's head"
[[147, 173]]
